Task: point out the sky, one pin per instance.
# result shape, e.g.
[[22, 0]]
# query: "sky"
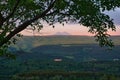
[[74, 29]]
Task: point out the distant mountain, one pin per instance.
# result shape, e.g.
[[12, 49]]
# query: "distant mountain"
[[26, 43], [62, 33], [80, 53], [75, 48]]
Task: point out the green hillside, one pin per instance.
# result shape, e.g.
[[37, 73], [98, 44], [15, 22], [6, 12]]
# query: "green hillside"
[[81, 59], [77, 48], [29, 42]]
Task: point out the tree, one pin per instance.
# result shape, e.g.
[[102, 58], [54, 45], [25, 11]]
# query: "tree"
[[17, 15]]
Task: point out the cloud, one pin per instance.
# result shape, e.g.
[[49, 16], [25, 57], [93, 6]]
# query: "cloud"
[[115, 15]]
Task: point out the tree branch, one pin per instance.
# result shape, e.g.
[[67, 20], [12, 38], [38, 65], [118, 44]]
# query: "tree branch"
[[51, 13], [25, 24], [13, 10], [17, 18], [1, 20]]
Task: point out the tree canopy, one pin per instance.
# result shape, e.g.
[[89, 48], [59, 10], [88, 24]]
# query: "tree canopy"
[[17, 15]]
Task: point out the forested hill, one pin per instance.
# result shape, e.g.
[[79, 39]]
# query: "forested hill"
[[80, 48], [29, 42]]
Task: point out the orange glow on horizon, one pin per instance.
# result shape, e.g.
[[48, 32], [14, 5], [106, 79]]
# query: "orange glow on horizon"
[[72, 29]]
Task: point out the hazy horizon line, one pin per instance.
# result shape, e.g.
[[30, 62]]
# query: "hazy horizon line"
[[67, 35]]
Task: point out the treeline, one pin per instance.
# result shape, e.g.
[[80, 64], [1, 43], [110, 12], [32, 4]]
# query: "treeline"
[[66, 69], [61, 75]]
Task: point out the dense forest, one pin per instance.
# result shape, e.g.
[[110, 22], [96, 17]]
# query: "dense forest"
[[72, 60]]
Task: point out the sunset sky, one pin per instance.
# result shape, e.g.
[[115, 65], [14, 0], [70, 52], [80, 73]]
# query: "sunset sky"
[[74, 29]]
